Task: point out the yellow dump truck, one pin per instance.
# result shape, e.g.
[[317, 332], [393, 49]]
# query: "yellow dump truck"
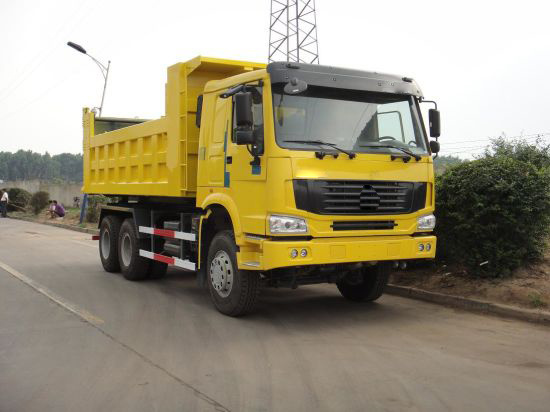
[[273, 175]]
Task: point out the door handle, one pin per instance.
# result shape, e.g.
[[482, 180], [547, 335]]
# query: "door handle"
[[229, 160]]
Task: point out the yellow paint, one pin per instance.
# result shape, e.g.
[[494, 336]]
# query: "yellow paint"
[[171, 157]]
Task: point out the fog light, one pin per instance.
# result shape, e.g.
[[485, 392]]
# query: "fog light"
[[428, 246], [293, 253], [303, 253], [421, 247]]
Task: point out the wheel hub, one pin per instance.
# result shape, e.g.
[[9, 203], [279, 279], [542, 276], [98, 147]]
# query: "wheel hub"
[[221, 274], [105, 244], [126, 249]]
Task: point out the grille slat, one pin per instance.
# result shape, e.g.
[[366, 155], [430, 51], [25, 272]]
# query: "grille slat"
[[354, 197], [359, 197]]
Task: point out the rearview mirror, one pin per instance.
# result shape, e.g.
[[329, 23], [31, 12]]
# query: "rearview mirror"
[[243, 110], [435, 124], [434, 146]]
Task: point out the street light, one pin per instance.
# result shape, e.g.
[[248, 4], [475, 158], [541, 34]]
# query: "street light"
[[105, 74], [104, 69]]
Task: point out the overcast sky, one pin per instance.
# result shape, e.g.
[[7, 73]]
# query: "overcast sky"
[[487, 63]]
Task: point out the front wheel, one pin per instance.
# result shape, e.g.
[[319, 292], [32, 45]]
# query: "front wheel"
[[233, 291], [368, 286]]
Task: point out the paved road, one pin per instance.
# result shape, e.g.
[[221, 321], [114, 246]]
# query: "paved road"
[[160, 346]]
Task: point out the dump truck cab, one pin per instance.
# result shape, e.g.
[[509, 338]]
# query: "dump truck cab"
[[317, 165], [258, 175]]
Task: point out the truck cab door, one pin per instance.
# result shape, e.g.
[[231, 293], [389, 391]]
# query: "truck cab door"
[[216, 147]]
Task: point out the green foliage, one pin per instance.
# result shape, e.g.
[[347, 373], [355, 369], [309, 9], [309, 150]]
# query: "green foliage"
[[18, 199], [537, 153], [442, 163], [494, 212], [93, 207], [39, 201], [27, 165]]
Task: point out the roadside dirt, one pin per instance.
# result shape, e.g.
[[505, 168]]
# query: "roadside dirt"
[[529, 287], [71, 218]]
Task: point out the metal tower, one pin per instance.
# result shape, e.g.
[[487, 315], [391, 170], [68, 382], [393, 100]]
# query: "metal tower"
[[293, 31]]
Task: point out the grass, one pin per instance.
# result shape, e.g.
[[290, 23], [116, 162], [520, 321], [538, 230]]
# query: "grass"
[[536, 300]]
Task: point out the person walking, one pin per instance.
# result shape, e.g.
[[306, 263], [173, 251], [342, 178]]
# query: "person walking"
[[4, 203]]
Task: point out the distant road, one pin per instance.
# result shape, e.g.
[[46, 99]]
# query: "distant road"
[[74, 338]]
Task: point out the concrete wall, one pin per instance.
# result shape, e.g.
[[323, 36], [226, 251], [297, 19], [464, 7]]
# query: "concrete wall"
[[62, 192]]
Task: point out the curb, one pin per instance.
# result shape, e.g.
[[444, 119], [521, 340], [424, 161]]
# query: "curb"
[[472, 305], [59, 225]]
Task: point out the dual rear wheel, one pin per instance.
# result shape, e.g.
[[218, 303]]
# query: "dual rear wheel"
[[119, 247]]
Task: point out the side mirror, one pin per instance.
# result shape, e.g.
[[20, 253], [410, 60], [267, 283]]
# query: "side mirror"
[[435, 124], [198, 115], [244, 137], [243, 110], [434, 146]]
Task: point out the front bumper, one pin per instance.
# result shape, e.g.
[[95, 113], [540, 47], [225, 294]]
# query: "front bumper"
[[271, 254]]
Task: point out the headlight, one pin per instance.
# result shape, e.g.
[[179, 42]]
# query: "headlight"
[[287, 224], [426, 222]]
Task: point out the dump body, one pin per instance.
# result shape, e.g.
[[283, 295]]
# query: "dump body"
[[155, 157]]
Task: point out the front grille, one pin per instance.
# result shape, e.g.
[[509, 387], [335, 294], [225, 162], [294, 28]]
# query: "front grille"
[[366, 225], [359, 197]]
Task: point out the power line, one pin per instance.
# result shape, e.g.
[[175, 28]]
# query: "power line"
[[483, 139]]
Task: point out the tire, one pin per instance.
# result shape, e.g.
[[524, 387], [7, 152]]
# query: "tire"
[[157, 270], [370, 287], [132, 265], [109, 230], [233, 291]]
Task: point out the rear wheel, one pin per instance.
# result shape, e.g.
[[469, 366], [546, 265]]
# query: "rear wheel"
[[108, 243], [367, 286], [132, 265], [233, 291]]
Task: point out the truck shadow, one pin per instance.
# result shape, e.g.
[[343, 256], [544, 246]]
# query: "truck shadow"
[[308, 307]]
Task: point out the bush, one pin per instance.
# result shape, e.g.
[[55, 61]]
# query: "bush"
[[93, 207], [18, 199], [39, 201], [536, 153], [494, 212]]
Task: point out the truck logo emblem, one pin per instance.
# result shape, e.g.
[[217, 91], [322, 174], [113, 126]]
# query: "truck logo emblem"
[[368, 198]]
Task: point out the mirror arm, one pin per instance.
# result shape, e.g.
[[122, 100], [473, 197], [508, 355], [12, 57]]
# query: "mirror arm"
[[233, 91], [429, 101]]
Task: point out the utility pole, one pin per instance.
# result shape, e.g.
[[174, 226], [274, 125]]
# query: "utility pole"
[[293, 31]]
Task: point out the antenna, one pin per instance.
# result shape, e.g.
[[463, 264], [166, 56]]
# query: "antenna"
[[293, 31]]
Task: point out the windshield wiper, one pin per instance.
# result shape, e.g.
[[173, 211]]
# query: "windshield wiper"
[[351, 155], [406, 151]]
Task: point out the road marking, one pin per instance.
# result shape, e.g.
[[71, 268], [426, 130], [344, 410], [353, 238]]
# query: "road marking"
[[95, 322], [71, 307]]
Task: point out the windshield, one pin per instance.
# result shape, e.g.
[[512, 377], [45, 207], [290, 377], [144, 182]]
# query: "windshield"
[[354, 120]]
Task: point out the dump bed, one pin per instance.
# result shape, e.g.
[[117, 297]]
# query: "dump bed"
[[154, 157]]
